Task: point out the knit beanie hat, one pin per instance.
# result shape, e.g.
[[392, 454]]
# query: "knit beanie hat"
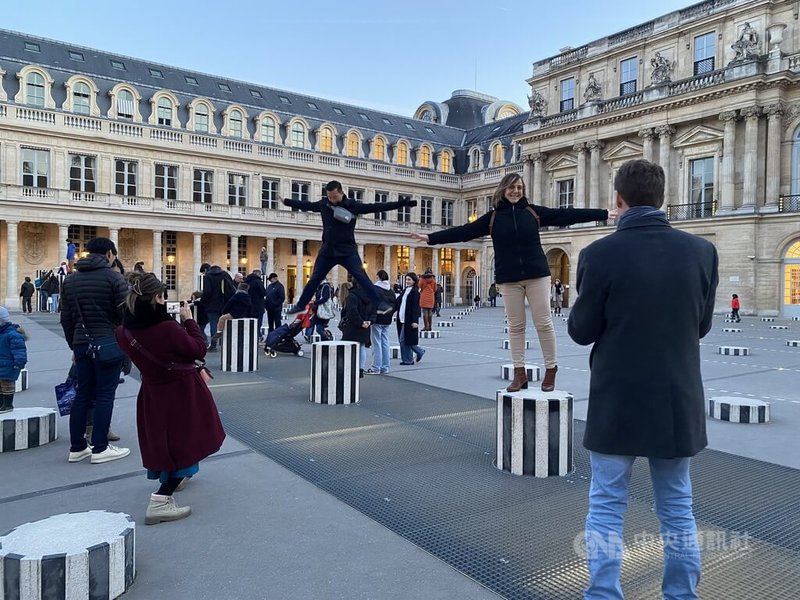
[[4, 316]]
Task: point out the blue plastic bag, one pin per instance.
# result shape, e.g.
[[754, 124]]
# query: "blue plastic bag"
[[65, 394]]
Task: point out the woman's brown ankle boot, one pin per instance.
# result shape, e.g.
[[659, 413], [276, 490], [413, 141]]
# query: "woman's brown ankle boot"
[[520, 381], [549, 381]]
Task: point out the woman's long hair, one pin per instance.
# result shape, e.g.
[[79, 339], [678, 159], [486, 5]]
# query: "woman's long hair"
[[505, 182], [413, 276], [144, 286], [344, 291]]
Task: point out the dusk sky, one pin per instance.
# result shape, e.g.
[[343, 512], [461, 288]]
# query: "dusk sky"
[[381, 55]]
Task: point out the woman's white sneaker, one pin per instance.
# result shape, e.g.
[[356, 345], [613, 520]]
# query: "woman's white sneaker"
[[109, 454]]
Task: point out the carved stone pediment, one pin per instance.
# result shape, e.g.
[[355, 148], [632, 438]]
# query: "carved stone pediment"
[[561, 161], [623, 151], [698, 135]]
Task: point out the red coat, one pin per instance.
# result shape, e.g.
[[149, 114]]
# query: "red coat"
[[177, 420], [427, 292], [735, 304]]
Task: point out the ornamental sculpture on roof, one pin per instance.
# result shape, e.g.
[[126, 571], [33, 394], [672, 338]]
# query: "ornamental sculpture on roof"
[[746, 47], [538, 105], [593, 93], [662, 70]]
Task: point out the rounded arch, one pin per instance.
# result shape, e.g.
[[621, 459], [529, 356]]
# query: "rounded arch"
[[500, 110], [354, 144], [378, 148], [35, 87], [402, 152], [164, 109], [446, 160], [297, 132], [475, 159], [790, 278], [559, 263], [201, 116], [425, 156], [497, 154], [432, 112], [125, 101], [268, 126], [234, 122], [326, 139], [81, 96]]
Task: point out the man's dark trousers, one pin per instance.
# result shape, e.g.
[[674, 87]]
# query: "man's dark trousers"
[[323, 265]]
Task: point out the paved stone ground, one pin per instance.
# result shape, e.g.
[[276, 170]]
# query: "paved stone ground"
[[260, 531]]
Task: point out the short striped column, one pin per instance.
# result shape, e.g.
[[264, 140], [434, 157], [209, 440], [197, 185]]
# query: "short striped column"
[[429, 335], [21, 384], [315, 337], [445, 324], [395, 350], [334, 373], [507, 344], [88, 555], [534, 433], [767, 319], [240, 346], [733, 350], [793, 343], [795, 318], [24, 428], [779, 327], [731, 330], [532, 371], [457, 317], [738, 410], [730, 320]]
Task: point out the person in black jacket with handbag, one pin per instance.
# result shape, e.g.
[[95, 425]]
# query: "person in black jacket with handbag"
[[408, 314], [521, 269], [91, 309], [358, 313], [339, 214]]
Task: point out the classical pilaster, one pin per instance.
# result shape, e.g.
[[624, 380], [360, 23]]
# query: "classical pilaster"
[[527, 173], [751, 116], [197, 257], [727, 203], [298, 265], [457, 292], [435, 260], [157, 254], [665, 133], [361, 250], [538, 160], [11, 284], [774, 127], [595, 146], [387, 260], [412, 259], [647, 136], [580, 176], [233, 266], [113, 235], [270, 256], [63, 231]]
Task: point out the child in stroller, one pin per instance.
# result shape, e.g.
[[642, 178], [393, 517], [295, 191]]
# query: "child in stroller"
[[282, 339]]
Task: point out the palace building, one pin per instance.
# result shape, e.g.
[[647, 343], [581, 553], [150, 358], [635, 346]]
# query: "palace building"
[[181, 168]]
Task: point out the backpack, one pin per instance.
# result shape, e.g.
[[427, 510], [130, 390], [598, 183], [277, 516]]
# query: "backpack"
[[529, 208]]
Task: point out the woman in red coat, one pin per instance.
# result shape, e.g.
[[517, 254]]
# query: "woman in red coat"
[[176, 417]]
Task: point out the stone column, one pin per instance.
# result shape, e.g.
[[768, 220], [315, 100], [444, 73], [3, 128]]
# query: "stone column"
[[536, 195], [270, 256], [233, 267], [361, 249], [665, 133], [157, 254], [751, 116], [527, 173], [580, 176], [457, 279], [63, 232], [298, 265], [774, 128], [197, 258], [11, 284], [728, 160], [647, 136], [595, 146], [387, 260], [113, 235], [435, 261], [412, 259]]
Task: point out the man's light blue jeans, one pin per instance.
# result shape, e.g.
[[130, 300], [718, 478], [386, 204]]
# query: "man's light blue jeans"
[[608, 500], [381, 356]]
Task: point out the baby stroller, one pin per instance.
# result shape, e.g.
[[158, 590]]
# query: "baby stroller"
[[282, 338]]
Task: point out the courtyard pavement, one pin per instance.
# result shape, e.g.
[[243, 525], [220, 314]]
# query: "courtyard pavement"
[[260, 530]]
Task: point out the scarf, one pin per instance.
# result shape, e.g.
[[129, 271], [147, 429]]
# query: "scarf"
[[639, 213]]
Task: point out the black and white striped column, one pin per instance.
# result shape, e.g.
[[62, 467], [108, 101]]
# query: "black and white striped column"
[[532, 372], [335, 373], [733, 350], [767, 319], [240, 346], [21, 384], [507, 344], [793, 343], [433, 334], [731, 330], [534, 433], [24, 428], [89, 555], [779, 327], [445, 324], [736, 409], [395, 350]]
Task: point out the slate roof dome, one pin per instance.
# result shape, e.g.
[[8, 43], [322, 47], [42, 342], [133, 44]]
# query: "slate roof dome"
[[466, 109]]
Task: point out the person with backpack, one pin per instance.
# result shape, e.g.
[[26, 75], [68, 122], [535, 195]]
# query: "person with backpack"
[[218, 288], [358, 313], [520, 264], [379, 332], [323, 311]]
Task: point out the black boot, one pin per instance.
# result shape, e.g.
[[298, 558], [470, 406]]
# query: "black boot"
[[6, 403]]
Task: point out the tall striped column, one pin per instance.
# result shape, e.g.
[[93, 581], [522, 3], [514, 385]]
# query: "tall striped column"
[[334, 373], [240, 346], [534, 432], [76, 555]]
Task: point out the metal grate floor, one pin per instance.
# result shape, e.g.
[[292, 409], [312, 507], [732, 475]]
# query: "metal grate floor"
[[419, 460]]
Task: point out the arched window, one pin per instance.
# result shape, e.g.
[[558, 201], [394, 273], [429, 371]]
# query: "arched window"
[[497, 155], [201, 118], [474, 163], [402, 153], [298, 135], [795, 189], [379, 149], [353, 142], [35, 90], [444, 162], [235, 124], [165, 111], [425, 157], [268, 130], [326, 140], [125, 104], [81, 99]]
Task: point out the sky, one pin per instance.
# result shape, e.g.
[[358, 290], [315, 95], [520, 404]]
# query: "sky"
[[389, 56]]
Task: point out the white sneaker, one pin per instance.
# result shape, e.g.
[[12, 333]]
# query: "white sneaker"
[[163, 508], [109, 454], [79, 456]]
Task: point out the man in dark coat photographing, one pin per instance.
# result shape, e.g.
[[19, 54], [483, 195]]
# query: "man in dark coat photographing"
[[646, 392]]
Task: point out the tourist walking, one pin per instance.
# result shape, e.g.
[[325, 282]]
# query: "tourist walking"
[[646, 389], [176, 418], [427, 298], [276, 295], [493, 295], [218, 288], [520, 266], [379, 332], [358, 313], [408, 313], [557, 296], [25, 294]]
